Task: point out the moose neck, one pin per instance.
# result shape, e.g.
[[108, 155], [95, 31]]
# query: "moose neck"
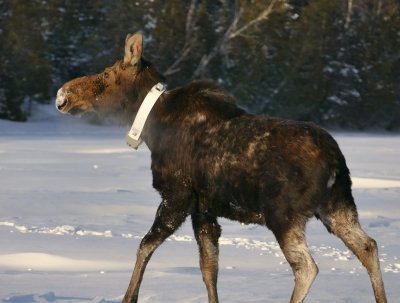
[[184, 110], [137, 90]]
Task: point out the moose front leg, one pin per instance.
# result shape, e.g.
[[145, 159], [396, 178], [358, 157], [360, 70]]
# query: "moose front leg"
[[207, 232], [167, 221]]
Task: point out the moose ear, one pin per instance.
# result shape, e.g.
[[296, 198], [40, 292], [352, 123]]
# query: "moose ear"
[[133, 48]]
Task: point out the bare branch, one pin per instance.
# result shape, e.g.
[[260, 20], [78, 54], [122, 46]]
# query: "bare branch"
[[219, 44], [262, 16], [349, 13], [190, 20], [231, 33], [189, 39], [173, 68]]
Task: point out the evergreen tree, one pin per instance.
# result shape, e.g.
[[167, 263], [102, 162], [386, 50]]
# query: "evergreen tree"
[[25, 68], [332, 62]]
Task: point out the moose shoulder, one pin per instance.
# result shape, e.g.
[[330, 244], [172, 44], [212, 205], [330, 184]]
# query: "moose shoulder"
[[211, 159]]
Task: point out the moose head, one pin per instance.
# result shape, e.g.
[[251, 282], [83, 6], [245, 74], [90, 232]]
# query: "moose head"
[[118, 89]]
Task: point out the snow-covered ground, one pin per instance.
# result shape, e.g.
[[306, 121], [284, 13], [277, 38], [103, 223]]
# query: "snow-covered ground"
[[75, 202]]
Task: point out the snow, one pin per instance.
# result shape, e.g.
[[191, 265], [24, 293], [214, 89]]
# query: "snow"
[[76, 201]]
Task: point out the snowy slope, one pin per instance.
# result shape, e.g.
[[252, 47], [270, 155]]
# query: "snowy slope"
[[75, 202]]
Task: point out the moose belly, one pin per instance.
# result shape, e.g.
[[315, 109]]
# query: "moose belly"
[[236, 212], [239, 201]]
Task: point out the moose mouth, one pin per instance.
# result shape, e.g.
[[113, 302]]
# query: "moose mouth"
[[60, 106], [74, 111]]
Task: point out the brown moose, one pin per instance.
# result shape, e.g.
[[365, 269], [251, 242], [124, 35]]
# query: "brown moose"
[[212, 159]]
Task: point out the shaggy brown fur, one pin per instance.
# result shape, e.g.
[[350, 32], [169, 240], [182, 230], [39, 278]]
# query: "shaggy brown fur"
[[211, 159]]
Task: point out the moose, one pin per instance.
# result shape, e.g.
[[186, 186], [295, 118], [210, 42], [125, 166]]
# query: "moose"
[[210, 159]]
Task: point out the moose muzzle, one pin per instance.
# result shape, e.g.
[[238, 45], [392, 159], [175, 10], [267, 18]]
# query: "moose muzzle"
[[61, 100]]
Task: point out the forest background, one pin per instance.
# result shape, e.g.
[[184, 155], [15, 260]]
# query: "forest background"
[[334, 62]]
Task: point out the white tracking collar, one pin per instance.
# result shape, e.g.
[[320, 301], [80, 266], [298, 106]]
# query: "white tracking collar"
[[133, 137]]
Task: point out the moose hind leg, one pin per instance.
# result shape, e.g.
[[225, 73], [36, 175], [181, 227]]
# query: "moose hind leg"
[[207, 232], [165, 224], [294, 247], [343, 222]]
